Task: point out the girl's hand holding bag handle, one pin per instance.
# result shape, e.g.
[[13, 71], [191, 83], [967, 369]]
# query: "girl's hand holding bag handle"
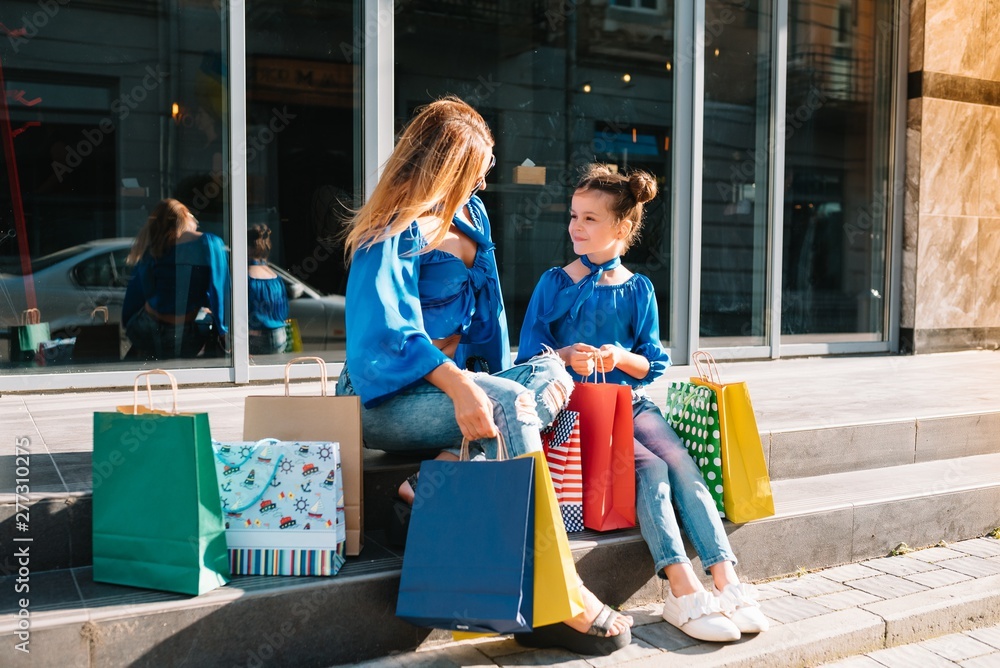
[[157, 517], [746, 484], [608, 453], [316, 418]]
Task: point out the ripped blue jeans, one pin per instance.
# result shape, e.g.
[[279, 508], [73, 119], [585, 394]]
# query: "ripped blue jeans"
[[526, 398]]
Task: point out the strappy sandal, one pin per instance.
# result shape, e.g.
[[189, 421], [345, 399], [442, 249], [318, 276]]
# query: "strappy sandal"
[[595, 641], [399, 517]]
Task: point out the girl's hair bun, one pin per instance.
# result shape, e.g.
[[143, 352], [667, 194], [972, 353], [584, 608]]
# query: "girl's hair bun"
[[642, 185]]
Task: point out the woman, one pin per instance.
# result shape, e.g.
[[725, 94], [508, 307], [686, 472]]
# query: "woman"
[[267, 300], [593, 312], [423, 302], [178, 272]]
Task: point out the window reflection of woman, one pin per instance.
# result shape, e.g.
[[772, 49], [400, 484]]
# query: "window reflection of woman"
[[178, 272], [267, 301]]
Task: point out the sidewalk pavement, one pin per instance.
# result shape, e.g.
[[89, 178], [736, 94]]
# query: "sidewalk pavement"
[[938, 606]]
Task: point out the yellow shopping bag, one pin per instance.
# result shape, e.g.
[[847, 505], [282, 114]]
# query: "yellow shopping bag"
[[746, 485], [557, 587], [293, 336]]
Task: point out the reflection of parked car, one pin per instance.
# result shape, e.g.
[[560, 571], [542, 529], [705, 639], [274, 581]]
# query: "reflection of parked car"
[[70, 283]]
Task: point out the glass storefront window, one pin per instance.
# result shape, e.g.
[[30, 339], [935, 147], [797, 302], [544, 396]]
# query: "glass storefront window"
[[837, 115], [735, 178], [560, 85], [109, 108], [303, 75]]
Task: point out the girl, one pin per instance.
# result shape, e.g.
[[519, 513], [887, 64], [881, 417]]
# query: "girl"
[[595, 312], [424, 306], [267, 301]]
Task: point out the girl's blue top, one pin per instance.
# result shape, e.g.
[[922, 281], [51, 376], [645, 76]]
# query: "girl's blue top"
[[399, 298], [625, 315], [267, 302], [190, 276]]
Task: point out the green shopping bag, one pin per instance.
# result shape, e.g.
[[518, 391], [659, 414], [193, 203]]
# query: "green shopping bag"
[[157, 516], [694, 414], [31, 333]]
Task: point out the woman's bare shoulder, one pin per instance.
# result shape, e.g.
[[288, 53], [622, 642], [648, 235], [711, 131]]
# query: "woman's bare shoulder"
[[260, 271]]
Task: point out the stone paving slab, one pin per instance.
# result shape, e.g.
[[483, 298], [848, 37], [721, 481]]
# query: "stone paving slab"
[[909, 656], [845, 599], [990, 636], [810, 585], [974, 566], [887, 586], [938, 578], [849, 572], [980, 547], [901, 566], [935, 554], [957, 647]]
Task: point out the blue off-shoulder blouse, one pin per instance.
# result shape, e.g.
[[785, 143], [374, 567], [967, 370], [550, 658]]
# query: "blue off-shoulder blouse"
[[267, 302], [623, 314], [399, 298]]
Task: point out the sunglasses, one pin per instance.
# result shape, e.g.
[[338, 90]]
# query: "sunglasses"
[[482, 179]]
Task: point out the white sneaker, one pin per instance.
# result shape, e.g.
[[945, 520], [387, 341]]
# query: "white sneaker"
[[739, 603], [699, 616]]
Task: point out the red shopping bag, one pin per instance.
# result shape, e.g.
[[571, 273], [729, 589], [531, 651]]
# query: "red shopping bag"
[[608, 453]]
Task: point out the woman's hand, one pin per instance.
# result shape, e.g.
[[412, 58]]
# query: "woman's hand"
[[580, 358], [474, 413], [473, 409]]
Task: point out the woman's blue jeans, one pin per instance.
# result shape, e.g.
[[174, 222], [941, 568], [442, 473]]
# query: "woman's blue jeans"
[[526, 398], [666, 477]]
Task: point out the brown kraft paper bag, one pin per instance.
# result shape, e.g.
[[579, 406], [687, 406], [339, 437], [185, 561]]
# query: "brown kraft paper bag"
[[316, 418]]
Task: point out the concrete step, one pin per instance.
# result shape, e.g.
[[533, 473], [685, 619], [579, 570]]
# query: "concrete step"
[[819, 450], [60, 486], [821, 521]]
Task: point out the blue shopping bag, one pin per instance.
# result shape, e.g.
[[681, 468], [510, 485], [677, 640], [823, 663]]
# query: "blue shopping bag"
[[469, 562]]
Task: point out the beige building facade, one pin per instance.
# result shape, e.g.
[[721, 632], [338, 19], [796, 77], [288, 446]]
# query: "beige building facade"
[[951, 244]]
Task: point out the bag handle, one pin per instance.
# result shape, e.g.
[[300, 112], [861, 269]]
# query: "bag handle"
[[711, 371], [253, 449], [604, 377], [31, 316], [502, 455], [149, 389], [100, 309], [322, 372], [690, 392]]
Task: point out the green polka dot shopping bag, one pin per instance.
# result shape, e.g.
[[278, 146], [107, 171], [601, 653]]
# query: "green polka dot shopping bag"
[[693, 413]]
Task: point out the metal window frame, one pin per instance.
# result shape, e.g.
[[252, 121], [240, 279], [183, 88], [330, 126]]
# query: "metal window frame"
[[684, 221], [894, 210]]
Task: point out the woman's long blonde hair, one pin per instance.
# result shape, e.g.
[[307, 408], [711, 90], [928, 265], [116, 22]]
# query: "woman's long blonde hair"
[[432, 170], [159, 234]]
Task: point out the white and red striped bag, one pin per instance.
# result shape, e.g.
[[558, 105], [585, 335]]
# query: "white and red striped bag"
[[561, 442]]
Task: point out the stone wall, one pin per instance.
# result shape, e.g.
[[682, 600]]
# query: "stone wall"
[[951, 247]]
